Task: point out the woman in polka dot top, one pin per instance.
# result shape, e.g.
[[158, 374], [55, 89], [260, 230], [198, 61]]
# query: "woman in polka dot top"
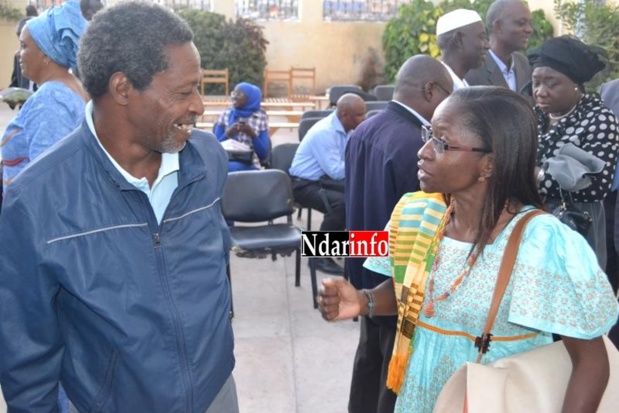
[[566, 114]]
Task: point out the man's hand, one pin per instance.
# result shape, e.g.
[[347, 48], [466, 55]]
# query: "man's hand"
[[339, 300]]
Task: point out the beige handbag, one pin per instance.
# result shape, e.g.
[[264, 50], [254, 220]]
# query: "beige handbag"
[[534, 381]]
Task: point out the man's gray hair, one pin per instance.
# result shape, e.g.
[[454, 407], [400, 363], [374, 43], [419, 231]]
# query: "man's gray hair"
[[130, 38]]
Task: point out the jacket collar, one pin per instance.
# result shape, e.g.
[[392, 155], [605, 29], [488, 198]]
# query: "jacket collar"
[[191, 165], [399, 110]]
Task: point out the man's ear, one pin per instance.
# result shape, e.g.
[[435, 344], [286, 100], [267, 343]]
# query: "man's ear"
[[458, 36], [120, 86], [497, 26], [427, 91]]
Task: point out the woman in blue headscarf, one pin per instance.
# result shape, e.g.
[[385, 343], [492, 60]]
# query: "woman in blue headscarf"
[[247, 123], [48, 50]]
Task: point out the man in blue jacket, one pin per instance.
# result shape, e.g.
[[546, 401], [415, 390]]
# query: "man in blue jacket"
[[113, 245]]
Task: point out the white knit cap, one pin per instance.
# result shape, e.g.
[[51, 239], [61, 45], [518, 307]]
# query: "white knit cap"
[[456, 19]]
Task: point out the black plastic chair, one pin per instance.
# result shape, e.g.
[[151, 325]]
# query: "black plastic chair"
[[263, 196], [281, 158], [316, 113], [376, 105], [266, 162], [384, 92], [336, 92], [305, 125]]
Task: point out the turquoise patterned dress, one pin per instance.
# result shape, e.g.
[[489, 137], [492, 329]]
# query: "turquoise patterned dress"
[[556, 287]]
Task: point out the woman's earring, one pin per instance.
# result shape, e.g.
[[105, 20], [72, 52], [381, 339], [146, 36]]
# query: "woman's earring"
[[481, 179]]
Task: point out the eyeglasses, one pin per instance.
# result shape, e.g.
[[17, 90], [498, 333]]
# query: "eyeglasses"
[[440, 146], [236, 94]]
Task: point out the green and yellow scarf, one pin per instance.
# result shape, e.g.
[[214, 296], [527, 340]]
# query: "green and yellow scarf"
[[416, 223]]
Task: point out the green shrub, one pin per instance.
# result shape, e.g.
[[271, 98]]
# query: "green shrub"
[[595, 24], [237, 45], [542, 30], [9, 12], [411, 32]]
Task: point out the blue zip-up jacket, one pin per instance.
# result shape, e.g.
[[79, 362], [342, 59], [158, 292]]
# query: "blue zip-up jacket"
[[130, 315]]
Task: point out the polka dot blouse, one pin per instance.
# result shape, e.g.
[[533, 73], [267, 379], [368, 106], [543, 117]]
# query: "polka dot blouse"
[[593, 128]]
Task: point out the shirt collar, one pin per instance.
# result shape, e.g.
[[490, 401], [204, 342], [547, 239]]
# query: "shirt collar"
[[500, 63], [337, 125], [411, 110], [169, 161], [458, 83]]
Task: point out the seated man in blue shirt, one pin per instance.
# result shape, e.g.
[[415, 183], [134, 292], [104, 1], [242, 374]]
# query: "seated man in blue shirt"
[[321, 154]]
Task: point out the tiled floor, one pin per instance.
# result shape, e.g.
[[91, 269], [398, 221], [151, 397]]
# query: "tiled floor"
[[288, 359]]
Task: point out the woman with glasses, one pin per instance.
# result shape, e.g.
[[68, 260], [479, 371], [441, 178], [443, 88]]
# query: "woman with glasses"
[[447, 243], [243, 129]]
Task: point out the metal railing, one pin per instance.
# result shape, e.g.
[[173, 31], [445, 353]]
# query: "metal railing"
[[268, 9], [361, 10]]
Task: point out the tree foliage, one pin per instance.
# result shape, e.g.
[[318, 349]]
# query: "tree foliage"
[[596, 24], [238, 45], [9, 12]]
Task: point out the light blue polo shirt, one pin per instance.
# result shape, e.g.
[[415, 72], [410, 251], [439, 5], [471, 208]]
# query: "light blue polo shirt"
[[167, 179]]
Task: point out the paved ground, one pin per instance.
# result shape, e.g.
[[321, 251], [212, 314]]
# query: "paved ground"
[[288, 359]]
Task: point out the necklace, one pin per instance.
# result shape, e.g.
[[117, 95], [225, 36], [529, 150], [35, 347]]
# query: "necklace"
[[428, 309], [553, 117]]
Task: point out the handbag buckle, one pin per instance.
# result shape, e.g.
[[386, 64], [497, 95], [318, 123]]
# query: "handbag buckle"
[[483, 342]]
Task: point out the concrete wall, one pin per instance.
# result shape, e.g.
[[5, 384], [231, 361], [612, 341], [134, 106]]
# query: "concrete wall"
[[8, 46], [336, 49]]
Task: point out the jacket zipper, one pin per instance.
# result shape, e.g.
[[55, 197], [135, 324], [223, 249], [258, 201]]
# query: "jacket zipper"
[[176, 321]]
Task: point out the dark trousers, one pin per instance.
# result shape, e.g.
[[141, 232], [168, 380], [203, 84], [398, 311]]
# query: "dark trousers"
[[368, 391], [331, 203], [612, 266]]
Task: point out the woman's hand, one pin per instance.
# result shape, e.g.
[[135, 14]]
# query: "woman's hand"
[[339, 300], [233, 130], [239, 127], [247, 130]]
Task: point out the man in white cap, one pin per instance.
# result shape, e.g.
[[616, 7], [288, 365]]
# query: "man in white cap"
[[462, 39], [509, 25]]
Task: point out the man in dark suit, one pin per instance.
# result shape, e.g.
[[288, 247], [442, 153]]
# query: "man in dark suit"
[[509, 26], [380, 167], [610, 95]]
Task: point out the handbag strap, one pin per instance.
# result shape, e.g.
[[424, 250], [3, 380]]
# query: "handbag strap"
[[505, 272]]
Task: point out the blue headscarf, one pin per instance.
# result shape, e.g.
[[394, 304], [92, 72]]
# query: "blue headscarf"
[[57, 32], [254, 98]]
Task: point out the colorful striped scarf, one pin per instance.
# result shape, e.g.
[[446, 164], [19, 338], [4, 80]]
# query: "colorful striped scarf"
[[416, 223]]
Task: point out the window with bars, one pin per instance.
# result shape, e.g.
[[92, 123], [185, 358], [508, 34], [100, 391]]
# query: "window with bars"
[[268, 9], [185, 4], [171, 4], [361, 10]]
